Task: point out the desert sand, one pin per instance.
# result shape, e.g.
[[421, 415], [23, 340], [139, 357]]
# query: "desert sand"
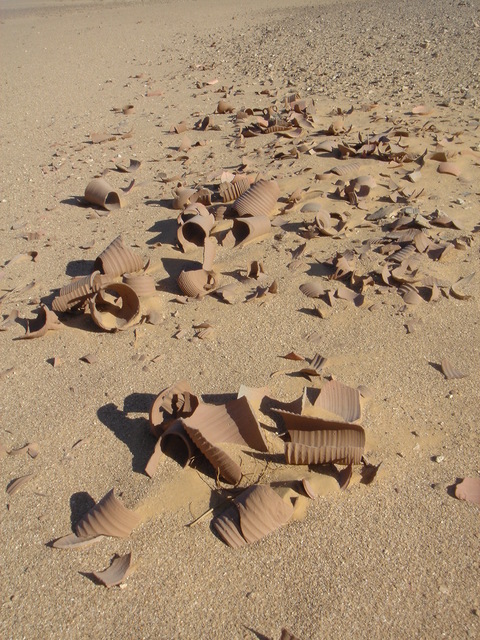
[[396, 558]]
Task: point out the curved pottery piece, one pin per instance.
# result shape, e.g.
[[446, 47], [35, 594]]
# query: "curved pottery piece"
[[197, 283], [118, 259], [230, 191], [173, 402], [176, 442], [76, 293], [101, 193], [193, 233], [142, 284], [47, 320], [115, 308], [225, 107], [109, 517], [259, 200], [117, 572], [248, 230], [254, 514]]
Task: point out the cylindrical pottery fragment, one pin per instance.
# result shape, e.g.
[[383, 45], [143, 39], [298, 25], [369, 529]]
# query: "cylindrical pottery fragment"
[[194, 232], [259, 200], [118, 259], [115, 308], [247, 230], [142, 284], [76, 293], [101, 193]]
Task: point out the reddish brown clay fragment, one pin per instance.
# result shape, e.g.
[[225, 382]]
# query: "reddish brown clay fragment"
[[115, 308], [450, 372], [344, 476], [119, 570], [248, 230], [18, 483], [76, 293], [174, 402], [197, 283], [118, 259], [254, 514], [341, 400], [258, 200], [450, 168], [72, 541], [109, 517], [47, 320], [225, 107], [133, 166], [369, 471], [101, 193], [469, 490]]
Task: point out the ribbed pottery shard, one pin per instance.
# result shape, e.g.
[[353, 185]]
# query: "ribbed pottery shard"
[[450, 372], [101, 193], [341, 400], [318, 441], [115, 308], [119, 570], [142, 284], [76, 293], [227, 468], [194, 231], [109, 517], [258, 200], [248, 230], [254, 514], [176, 401], [118, 259], [197, 283]]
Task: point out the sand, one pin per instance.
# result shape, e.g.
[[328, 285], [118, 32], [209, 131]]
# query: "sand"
[[398, 558]]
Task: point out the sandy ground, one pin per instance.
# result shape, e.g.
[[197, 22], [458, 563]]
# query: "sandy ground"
[[398, 558]]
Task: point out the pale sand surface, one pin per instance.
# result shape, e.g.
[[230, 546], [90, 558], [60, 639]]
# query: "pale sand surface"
[[395, 559]]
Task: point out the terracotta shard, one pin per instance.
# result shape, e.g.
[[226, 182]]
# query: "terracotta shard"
[[72, 541], [309, 489], [224, 106], [18, 484], [254, 514], [46, 321], [422, 110], [174, 402], [292, 355], [227, 468], [133, 166], [412, 297], [233, 422], [154, 460], [259, 200], [248, 230], [457, 289], [369, 471], [318, 441], [469, 490], [109, 517], [118, 259], [119, 570], [197, 283], [450, 372], [450, 168], [101, 193], [347, 168], [312, 289], [115, 308], [76, 293], [142, 284], [194, 232], [341, 400], [230, 191]]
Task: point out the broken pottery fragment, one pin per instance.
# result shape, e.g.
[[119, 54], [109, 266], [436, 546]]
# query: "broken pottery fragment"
[[118, 259], [18, 484], [101, 193], [194, 231], [76, 293], [47, 320], [176, 401], [450, 168], [142, 284], [248, 230], [255, 513], [230, 191], [130, 168], [115, 308], [286, 635], [450, 372], [197, 283], [119, 570], [258, 200], [469, 490], [72, 541], [109, 517], [224, 106]]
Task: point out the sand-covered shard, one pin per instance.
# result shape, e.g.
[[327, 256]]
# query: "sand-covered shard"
[[118, 259], [234, 422], [255, 513], [101, 193], [119, 570], [450, 371], [109, 517], [46, 321]]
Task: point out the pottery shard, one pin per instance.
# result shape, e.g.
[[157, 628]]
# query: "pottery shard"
[[46, 320], [76, 293], [254, 514], [258, 200], [117, 572], [115, 308], [469, 490], [109, 517], [319, 441], [118, 259], [341, 400]]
